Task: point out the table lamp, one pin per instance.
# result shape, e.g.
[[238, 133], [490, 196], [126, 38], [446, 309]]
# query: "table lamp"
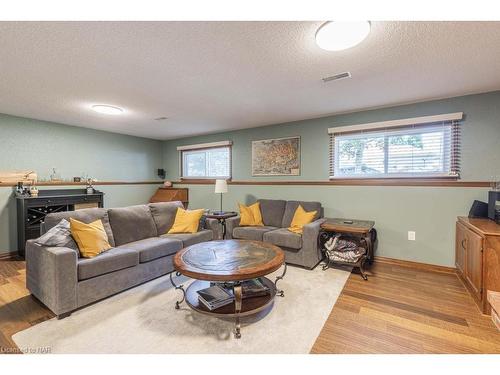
[[220, 188]]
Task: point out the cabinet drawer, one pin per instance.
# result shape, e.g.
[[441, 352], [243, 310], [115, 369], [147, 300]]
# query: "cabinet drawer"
[[42, 202]]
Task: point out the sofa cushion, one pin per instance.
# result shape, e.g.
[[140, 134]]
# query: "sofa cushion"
[[283, 237], [86, 215], [164, 215], [272, 211], [131, 224], [58, 236], [153, 248], [301, 218], [189, 239], [186, 221], [251, 233], [250, 215], [291, 207], [110, 261], [91, 238]]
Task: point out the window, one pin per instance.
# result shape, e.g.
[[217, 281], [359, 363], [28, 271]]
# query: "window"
[[421, 147], [208, 160]]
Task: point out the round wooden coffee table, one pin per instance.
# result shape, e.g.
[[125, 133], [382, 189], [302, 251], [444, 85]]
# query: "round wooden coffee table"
[[230, 262]]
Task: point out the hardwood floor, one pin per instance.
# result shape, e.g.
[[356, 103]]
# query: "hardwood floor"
[[18, 310], [406, 310], [398, 310]]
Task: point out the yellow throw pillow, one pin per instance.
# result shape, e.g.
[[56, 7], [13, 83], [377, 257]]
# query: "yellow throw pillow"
[[250, 215], [301, 218], [91, 239], [186, 221]]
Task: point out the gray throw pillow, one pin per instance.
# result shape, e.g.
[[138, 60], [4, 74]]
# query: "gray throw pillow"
[[58, 236]]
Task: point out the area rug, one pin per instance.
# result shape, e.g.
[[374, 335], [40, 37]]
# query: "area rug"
[[143, 320]]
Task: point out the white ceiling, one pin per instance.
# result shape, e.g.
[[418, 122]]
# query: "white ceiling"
[[214, 76]]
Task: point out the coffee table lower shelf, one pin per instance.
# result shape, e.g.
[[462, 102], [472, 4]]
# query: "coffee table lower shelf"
[[249, 306]]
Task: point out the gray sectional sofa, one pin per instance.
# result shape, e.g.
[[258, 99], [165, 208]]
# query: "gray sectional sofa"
[[141, 252], [277, 215]]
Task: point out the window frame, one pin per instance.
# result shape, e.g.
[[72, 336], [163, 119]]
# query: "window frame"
[[372, 129], [205, 147]]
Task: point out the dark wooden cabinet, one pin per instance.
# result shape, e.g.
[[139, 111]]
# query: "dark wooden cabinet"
[[31, 211], [477, 257], [170, 194]]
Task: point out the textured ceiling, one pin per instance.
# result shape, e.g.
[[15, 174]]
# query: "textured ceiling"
[[214, 76]]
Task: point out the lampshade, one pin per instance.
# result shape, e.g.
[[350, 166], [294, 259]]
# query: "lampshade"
[[220, 186]]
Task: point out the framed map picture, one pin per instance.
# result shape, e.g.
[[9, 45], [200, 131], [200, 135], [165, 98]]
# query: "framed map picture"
[[276, 157]]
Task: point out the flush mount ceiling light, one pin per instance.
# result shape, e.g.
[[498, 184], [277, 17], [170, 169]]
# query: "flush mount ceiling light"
[[107, 109], [338, 35]]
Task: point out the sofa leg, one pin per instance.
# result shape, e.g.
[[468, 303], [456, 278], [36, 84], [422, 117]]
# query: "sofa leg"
[[65, 315]]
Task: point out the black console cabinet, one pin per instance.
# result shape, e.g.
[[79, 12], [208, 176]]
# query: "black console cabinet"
[[31, 211]]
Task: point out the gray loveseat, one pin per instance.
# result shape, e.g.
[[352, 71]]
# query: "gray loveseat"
[[277, 215], [141, 252]]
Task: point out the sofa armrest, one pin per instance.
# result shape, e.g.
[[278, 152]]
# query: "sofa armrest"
[[51, 276], [215, 227], [310, 234], [232, 223]]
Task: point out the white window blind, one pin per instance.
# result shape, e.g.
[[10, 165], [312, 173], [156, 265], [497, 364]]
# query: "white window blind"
[[209, 162], [429, 149]]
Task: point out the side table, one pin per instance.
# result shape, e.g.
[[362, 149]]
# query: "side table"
[[363, 230], [221, 217]]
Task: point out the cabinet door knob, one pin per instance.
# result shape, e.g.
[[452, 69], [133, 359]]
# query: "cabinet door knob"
[[463, 242]]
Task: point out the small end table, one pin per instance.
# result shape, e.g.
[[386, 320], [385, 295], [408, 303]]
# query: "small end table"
[[221, 217], [362, 229]]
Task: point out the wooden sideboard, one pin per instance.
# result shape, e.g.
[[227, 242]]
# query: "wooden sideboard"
[[170, 194], [477, 258]]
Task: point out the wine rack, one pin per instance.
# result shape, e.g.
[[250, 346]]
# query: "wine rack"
[[31, 211]]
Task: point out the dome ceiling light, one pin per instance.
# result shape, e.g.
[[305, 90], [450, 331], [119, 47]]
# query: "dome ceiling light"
[[339, 35], [107, 109]]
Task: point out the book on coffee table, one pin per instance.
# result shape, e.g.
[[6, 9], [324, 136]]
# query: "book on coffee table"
[[254, 288], [221, 294], [249, 288], [215, 296]]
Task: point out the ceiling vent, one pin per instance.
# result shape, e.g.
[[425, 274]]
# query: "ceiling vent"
[[161, 118], [336, 77]]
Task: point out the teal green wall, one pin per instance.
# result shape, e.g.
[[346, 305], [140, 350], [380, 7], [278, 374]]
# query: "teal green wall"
[[429, 211], [480, 136], [38, 145]]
